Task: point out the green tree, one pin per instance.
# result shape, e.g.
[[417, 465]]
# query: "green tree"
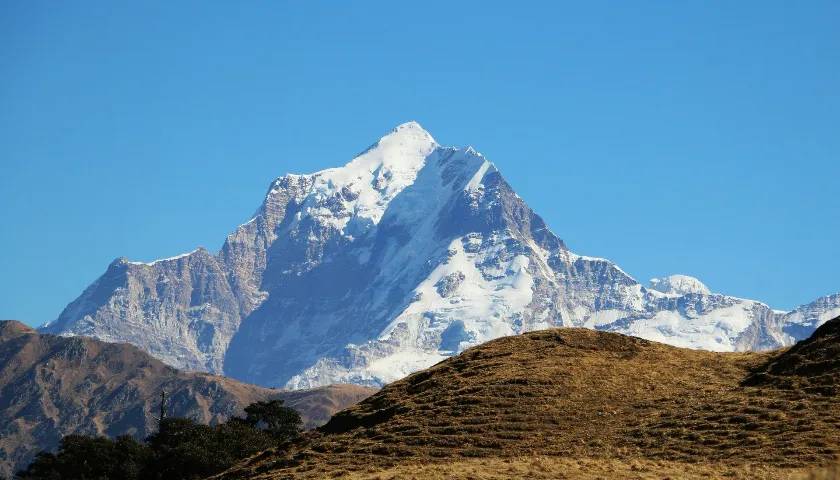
[[181, 449], [184, 449], [90, 458], [235, 440], [282, 422]]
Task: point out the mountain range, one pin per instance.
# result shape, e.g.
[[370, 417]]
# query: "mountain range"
[[405, 256]]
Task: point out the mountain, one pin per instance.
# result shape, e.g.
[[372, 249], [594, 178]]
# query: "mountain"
[[800, 322], [52, 386], [405, 256], [576, 403], [181, 310]]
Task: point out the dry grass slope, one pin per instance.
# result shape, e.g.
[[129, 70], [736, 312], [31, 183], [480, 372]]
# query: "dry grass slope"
[[573, 403]]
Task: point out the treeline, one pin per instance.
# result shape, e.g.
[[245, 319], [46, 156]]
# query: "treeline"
[[181, 449]]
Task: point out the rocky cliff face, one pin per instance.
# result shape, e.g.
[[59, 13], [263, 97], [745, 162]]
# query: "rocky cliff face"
[[409, 254], [53, 386], [182, 310]]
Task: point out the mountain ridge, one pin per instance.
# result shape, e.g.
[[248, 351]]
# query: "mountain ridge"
[[52, 386]]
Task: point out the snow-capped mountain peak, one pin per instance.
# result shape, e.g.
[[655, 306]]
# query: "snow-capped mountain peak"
[[409, 253], [357, 194], [678, 285], [404, 147]]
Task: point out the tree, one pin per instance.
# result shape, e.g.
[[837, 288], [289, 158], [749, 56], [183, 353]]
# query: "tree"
[[236, 440], [181, 449], [283, 423], [90, 458], [184, 449]]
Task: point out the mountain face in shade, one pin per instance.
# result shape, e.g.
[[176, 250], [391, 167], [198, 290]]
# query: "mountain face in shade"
[[407, 255], [53, 386]]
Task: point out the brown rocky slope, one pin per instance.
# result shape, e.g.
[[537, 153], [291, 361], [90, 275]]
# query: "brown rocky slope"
[[574, 403], [52, 386]]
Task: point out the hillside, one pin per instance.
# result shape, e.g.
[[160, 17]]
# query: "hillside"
[[51, 386], [575, 403]]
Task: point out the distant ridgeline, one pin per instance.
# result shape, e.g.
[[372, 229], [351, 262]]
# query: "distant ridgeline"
[[54, 386]]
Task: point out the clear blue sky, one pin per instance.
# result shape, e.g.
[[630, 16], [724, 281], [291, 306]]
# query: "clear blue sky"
[[671, 137]]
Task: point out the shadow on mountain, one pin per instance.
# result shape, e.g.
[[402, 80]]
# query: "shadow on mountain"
[[812, 365]]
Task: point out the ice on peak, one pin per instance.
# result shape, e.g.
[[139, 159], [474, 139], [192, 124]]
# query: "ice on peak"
[[472, 151], [409, 134], [403, 149], [410, 125], [365, 186], [679, 285], [176, 257], [475, 181], [406, 144]]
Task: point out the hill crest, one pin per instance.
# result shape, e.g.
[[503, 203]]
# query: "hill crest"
[[575, 395]]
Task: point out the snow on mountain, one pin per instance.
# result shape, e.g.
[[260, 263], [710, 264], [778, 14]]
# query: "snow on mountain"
[[679, 285], [803, 320], [408, 254]]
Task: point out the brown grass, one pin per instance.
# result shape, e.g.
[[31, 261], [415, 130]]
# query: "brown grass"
[[575, 403], [550, 468]]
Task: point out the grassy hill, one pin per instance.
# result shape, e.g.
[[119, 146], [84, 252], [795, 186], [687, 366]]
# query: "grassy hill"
[[574, 403]]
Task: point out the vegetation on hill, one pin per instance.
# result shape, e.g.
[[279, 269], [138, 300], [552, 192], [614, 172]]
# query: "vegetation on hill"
[[52, 386], [181, 449], [578, 401]]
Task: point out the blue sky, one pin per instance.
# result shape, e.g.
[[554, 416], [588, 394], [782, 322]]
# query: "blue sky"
[[671, 137]]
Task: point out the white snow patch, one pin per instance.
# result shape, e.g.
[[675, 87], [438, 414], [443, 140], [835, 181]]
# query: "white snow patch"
[[678, 285], [475, 181], [176, 257], [604, 317], [716, 330], [401, 364], [492, 294]]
